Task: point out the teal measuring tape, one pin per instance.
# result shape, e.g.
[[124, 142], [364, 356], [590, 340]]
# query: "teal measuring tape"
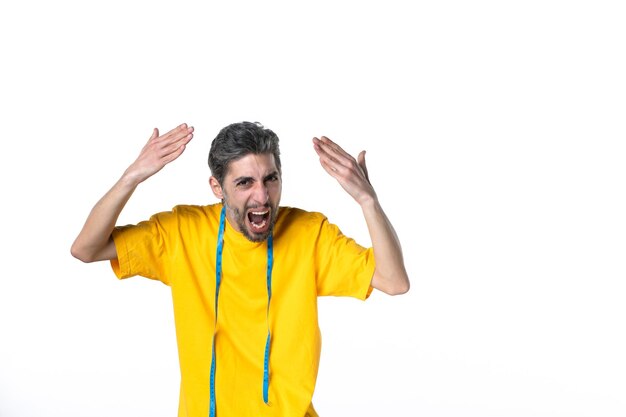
[[218, 281]]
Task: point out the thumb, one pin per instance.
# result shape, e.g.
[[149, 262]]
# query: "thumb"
[[361, 162], [155, 134]]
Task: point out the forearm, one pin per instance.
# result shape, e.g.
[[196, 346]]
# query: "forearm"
[[390, 275], [94, 242]]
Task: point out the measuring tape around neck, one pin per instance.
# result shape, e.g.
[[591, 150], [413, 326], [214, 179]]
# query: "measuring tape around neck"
[[218, 281]]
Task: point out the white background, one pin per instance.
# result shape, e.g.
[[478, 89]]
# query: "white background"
[[495, 133]]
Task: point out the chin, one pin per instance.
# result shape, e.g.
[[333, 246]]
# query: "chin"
[[256, 237], [259, 236]]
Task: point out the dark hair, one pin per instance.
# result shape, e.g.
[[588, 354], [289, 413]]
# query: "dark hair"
[[238, 140]]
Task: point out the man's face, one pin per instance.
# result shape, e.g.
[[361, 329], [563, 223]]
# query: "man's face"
[[251, 193]]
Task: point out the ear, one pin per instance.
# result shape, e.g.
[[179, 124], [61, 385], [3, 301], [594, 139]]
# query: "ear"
[[216, 188]]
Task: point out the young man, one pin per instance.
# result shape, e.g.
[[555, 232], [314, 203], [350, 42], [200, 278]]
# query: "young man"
[[245, 274]]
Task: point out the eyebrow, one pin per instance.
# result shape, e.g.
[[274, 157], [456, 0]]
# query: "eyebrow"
[[267, 177], [239, 179]]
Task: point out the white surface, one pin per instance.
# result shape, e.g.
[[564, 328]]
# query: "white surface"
[[495, 135]]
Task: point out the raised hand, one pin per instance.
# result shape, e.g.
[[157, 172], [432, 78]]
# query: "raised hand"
[[158, 152], [94, 242], [349, 172]]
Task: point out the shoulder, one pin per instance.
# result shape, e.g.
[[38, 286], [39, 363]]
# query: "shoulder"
[[195, 211], [185, 214], [296, 215], [292, 219]]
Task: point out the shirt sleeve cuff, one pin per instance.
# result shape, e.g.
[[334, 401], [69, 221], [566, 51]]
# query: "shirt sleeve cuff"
[[120, 265], [366, 278]]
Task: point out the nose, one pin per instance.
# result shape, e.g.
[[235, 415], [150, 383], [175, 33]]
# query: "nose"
[[260, 194]]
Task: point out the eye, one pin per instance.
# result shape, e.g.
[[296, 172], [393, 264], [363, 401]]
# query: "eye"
[[244, 183], [272, 178]]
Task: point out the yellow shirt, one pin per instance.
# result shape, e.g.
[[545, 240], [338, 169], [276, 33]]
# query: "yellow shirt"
[[311, 258]]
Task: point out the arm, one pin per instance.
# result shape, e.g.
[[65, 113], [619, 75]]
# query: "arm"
[[94, 242], [390, 275]]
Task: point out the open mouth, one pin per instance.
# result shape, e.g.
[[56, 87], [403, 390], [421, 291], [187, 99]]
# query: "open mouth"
[[259, 219]]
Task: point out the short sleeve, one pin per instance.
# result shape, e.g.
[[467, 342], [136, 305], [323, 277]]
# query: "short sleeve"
[[142, 249], [344, 268]]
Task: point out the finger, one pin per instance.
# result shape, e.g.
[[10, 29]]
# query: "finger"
[[335, 153], [324, 158], [326, 140], [327, 159], [361, 161], [173, 151], [173, 155], [171, 144], [330, 169], [317, 145], [170, 148], [179, 131], [335, 148], [155, 134]]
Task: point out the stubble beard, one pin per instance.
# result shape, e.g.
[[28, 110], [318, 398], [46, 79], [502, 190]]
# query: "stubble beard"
[[240, 219]]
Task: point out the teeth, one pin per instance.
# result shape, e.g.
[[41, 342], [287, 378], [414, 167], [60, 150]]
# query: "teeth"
[[260, 213], [259, 226]]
